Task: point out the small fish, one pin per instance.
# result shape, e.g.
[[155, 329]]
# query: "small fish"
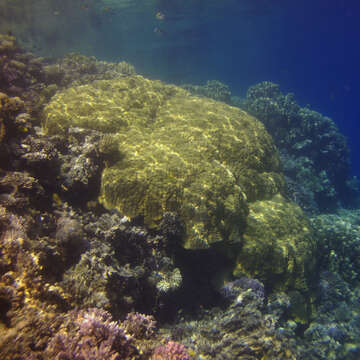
[[159, 31], [160, 16]]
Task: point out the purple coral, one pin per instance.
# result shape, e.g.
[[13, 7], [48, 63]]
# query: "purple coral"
[[90, 335], [139, 325], [171, 351]]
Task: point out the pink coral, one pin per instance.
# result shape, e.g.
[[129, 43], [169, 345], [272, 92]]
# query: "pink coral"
[[171, 351]]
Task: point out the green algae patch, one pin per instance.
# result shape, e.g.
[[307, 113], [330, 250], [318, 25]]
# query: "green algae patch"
[[278, 245], [204, 160]]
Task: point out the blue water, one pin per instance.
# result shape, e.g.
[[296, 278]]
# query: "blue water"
[[308, 47]]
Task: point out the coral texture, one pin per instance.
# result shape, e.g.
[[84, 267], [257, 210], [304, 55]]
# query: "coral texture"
[[203, 160], [171, 351], [213, 89], [90, 335], [189, 148], [277, 252]]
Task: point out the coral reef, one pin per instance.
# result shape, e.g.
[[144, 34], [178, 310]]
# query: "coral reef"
[[213, 89], [171, 351], [77, 69], [79, 281], [18, 70], [334, 331], [314, 154], [139, 325], [90, 335], [231, 289], [118, 269], [192, 180], [21, 74], [205, 161], [279, 253], [339, 243], [60, 251], [244, 329], [10, 108], [36, 79]]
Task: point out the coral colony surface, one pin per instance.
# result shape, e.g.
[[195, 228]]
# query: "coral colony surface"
[[141, 220]]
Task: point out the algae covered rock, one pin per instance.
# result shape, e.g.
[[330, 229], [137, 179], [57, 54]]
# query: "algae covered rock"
[[198, 158]]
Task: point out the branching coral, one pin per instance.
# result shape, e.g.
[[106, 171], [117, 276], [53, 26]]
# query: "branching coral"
[[90, 335], [139, 325]]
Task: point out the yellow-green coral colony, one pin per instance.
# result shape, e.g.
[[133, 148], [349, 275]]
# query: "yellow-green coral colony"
[[202, 159]]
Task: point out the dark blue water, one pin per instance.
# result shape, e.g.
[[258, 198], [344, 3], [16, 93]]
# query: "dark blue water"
[[308, 47]]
